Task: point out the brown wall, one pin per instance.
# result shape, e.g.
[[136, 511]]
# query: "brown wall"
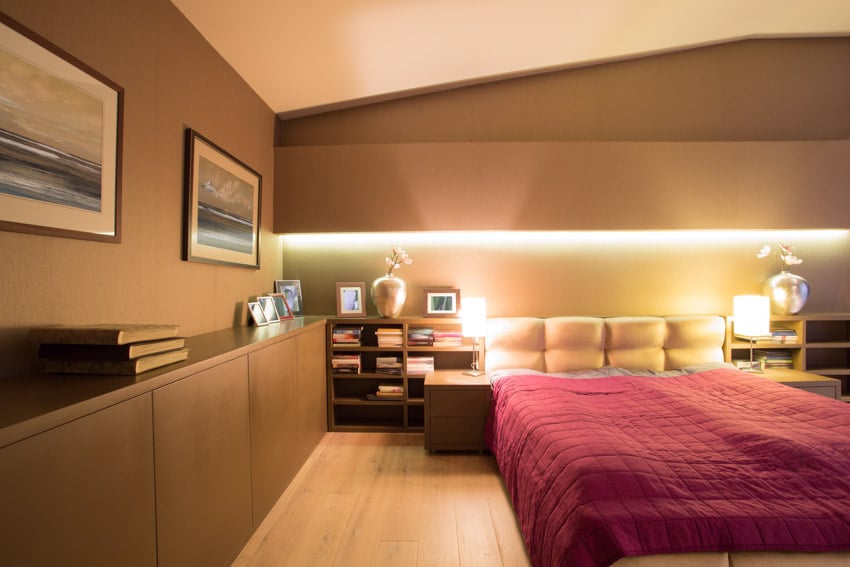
[[748, 135], [172, 80]]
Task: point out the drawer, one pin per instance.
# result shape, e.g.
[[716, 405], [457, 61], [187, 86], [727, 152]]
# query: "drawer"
[[457, 432], [459, 403]]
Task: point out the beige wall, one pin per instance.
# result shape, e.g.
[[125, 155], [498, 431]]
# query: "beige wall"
[[172, 80], [748, 135]]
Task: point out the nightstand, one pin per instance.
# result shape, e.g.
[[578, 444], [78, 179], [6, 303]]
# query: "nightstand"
[[814, 383], [456, 407]]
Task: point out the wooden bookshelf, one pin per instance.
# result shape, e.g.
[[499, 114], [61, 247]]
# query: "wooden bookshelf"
[[349, 406]]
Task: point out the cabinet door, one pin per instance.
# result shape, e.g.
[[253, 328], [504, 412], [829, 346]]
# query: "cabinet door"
[[274, 423], [312, 390], [203, 467], [82, 493]]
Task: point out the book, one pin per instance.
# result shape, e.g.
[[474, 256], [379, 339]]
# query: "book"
[[105, 334], [108, 352], [125, 367]]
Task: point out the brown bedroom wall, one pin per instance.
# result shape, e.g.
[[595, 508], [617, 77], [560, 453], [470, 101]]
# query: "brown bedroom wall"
[[172, 80], [747, 135]]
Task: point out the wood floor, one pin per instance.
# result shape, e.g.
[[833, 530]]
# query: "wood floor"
[[379, 500]]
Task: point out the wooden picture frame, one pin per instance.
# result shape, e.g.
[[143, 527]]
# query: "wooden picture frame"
[[269, 309], [442, 302], [291, 289], [60, 141], [350, 299], [222, 206], [280, 303], [256, 312]]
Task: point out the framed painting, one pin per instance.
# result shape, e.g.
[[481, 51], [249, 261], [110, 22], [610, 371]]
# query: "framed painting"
[[442, 302], [267, 304], [349, 299], [257, 315], [222, 206], [283, 310], [60, 141], [291, 290]]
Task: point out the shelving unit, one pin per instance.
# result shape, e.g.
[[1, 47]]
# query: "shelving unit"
[[822, 347], [348, 406]]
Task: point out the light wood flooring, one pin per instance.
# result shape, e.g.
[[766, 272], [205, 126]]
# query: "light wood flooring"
[[376, 500]]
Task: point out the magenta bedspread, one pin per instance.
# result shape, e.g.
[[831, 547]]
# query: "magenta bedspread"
[[603, 468]]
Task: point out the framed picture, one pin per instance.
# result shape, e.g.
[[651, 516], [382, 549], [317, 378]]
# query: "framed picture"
[[222, 206], [256, 312], [291, 290], [350, 299], [282, 307], [442, 302], [269, 309], [60, 141]]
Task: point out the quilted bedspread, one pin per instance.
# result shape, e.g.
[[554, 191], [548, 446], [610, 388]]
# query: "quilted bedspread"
[[603, 468]]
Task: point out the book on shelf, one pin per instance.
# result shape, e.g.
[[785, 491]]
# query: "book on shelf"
[[385, 396], [125, 367], [387, 365], [448, 338], [391, 388], [420, 336], [346, 363], [389, 336], [346, 336], [102, 334], [108, 352], [773, 358], [419, 365]]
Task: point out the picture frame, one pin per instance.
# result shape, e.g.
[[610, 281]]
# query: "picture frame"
[[291, 289], [269, 309], [256, 311], [442, 302], [60, 140], [282, 307], [350, 299], [222, 198]]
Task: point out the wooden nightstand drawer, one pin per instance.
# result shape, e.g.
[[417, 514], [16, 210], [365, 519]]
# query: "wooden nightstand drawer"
[[459, 403], [458, 432]]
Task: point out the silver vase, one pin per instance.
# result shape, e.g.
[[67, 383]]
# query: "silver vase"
[[788, 293], [389, 294]]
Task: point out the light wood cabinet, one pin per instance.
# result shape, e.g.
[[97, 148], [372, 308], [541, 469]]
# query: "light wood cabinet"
[[82, 493]]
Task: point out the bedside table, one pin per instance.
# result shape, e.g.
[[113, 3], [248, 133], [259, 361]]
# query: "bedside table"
[[814, 383], [456, 407]]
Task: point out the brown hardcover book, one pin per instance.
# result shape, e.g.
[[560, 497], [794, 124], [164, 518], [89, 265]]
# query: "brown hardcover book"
[[108, 334], [109, 352], [133, 366]]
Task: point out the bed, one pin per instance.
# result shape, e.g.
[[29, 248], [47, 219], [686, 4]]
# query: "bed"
[[628, 441]]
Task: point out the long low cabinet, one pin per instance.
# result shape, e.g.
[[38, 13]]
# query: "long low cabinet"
[[178, 475]]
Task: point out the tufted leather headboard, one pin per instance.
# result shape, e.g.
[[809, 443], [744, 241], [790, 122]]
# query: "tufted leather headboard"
[[560, 344]]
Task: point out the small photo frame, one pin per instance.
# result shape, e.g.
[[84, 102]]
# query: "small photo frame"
[[282, 307], [269, 309], [350, 299], [256, 312], [442, 302], [291, 289]]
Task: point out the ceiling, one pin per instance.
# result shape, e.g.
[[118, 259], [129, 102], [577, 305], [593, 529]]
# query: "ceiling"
[[306, 56]]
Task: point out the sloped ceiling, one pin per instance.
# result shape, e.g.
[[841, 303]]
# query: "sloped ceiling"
[[303, 56]]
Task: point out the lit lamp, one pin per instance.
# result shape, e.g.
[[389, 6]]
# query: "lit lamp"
[[474, 323], [751, 320]]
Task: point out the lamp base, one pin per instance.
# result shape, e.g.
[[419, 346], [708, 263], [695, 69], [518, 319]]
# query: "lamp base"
[[474, 373], [747, 366]]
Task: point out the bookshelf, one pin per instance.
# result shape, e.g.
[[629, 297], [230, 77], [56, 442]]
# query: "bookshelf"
[[821, 345], [366, 355]]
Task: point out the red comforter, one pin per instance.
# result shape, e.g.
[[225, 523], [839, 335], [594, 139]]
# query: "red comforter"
[[603, 468]]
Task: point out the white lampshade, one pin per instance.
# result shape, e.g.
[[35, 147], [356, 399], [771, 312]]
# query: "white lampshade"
[[473, 316], [752, 315]]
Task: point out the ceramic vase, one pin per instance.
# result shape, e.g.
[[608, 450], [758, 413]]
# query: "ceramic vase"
[[389, 294], [788, 293]]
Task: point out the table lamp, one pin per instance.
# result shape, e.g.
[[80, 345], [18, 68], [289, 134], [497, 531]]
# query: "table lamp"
[[474, 322], [751, 320]]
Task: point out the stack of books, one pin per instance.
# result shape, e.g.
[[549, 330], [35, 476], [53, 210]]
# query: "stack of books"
[[388, 365], [126, 349], [773, 358], [387, 392], [389, 336], [785, 336], [346, 363], [421, 336], [448, 338], [346, 336], [419, 365]]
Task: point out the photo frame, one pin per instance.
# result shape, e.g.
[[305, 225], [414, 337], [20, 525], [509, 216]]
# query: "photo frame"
[[269, 309], [282, 307], [256, 311], [442, 302], [222, 206], [60, 140], [291, 289], [350, 299]]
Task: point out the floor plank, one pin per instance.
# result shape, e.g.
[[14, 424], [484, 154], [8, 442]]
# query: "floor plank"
[[379, 499]]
